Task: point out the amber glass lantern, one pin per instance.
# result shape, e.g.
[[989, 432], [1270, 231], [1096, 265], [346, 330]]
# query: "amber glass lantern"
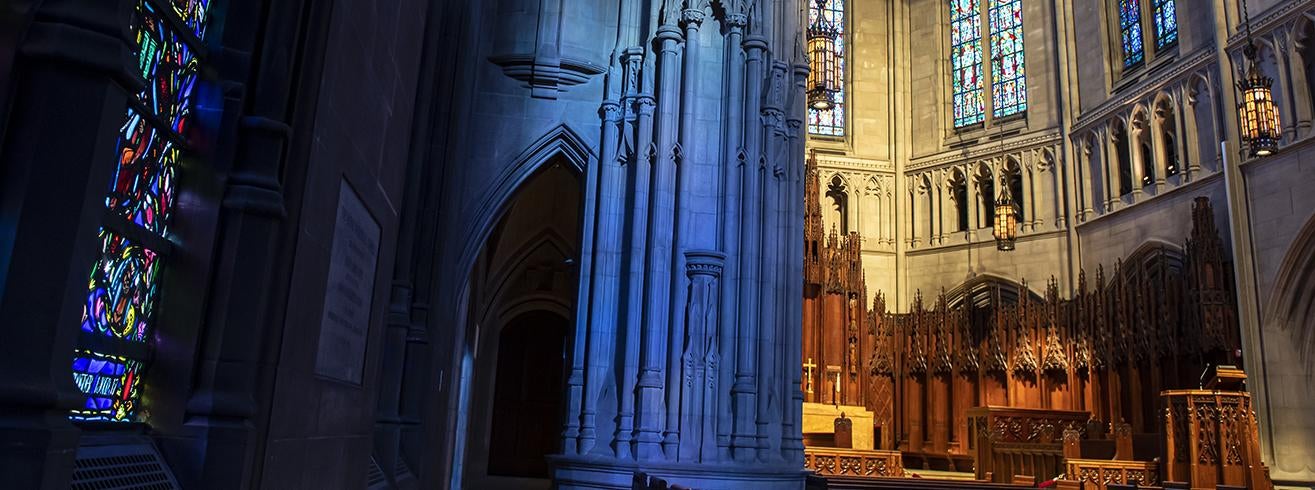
[[823, 68], [1257, 111], [1005, 228]]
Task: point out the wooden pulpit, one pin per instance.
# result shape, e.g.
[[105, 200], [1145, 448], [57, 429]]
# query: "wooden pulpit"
[[1211, 436]]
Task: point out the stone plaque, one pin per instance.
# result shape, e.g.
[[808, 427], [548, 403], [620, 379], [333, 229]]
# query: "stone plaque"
[[349, 290]]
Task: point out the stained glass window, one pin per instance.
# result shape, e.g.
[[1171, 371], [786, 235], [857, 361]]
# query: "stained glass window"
[[1130, 29], [966, 62], [110, 384], [1166, 23], [122, 289], [831, 122], [1008, 80]]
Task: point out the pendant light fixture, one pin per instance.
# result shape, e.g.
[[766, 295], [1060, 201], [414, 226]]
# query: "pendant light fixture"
[[1005, 228], [823, 67], [1257, 112]]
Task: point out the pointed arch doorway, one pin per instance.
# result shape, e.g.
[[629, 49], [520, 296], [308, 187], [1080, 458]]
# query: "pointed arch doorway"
[[522, 297]]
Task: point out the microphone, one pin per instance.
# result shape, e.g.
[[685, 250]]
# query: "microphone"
[[1208, 366]]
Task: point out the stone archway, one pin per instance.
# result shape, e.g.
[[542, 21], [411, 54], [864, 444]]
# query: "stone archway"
[[521, 301]]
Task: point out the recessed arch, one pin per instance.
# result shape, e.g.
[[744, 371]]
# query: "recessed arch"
[[559, 145], [1291, 305], [519, 257]]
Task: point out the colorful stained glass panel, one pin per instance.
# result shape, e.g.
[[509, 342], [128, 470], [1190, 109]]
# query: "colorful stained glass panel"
[[831, 122], [110, 385], [142, 189], [169, 67], [1130, 29], [966, 62], [121, 290], [1166, 23], [193, 13], [1008, 77]]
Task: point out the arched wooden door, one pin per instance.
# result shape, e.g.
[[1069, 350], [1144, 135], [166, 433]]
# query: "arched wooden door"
[[527, 396]]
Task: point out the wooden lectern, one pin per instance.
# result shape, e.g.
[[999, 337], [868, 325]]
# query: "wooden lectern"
[[1211, 436]]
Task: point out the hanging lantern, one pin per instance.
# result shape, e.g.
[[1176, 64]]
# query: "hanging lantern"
[[1257, 111], [1005, 229], [823, 67]]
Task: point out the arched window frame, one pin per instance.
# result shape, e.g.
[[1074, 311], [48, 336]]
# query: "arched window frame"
[[1012, 176], [113, 348], [1122, 139], [959, 193], [986, 195], [986, 89], [1143, 30], [831, 123], [837, 191], [1169, 159]]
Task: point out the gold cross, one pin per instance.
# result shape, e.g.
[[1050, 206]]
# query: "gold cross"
[[808, 367]]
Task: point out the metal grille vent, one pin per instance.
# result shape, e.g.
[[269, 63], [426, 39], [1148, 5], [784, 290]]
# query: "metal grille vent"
[[135, 465]]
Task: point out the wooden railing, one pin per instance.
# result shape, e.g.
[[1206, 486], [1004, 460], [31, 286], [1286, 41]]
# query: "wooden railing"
[[853, 462], [1095, 474]]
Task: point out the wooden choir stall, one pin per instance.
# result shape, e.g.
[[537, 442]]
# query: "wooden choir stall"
[[994, 378]]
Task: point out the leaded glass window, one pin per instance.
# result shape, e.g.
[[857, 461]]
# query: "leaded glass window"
[[1008, 81], [1130, 32], [831, 122], [1166, 23], [966, 62], [122, 286]]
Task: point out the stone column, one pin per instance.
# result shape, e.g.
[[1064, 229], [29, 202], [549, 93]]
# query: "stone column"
[[973, 193], [1283, 89], [744, 439], [1186, 146], [1088, 191], [1192, 134], [75, 74], [604, 313], [1136, 131], [656, 324], [691, 18], [1160, 147], [1301, 102], [733, 166], [792, 437], [915, 212], [1113, 188], [937, 210], [630, 327]]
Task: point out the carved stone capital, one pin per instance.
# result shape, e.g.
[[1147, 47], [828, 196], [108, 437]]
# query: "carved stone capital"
[[644, 104], [691, 18], [736, 21], [610, 111], [704, 263]]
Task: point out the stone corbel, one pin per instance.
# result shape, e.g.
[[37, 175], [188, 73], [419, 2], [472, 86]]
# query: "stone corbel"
[[545, 71]]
